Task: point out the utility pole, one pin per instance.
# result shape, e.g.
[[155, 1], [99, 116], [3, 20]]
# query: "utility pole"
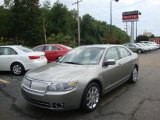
[[78, 20], [126, 27]]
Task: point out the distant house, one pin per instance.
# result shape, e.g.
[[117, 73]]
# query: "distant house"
[[157, 40], [148, 34]]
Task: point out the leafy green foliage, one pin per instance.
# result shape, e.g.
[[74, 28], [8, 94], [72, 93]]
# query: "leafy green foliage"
[[26, 22], [142, 38]]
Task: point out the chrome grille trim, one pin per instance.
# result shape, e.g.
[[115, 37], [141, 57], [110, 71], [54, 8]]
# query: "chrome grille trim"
[[35, 85]]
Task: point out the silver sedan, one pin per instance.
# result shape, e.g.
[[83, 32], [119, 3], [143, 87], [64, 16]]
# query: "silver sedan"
[[80, 78]]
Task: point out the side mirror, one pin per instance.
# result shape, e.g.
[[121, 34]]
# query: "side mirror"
[[109, 62], [58, 58]]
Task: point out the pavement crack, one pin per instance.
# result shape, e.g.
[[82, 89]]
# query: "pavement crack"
[[137, 108], [109, 114], [150, 99], [119, 113], [115, 97]]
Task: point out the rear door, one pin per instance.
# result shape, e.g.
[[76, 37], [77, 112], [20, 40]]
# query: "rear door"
[[7, 57], [125, 62], [52, 52], [133, 47]]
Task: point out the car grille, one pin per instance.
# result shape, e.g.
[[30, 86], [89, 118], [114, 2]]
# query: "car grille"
[[35, 85]]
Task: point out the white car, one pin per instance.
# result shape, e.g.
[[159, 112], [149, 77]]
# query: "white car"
[[154, 45], [19, 59]]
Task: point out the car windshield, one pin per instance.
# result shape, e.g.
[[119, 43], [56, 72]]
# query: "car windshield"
[[83, 56], [25, 49]]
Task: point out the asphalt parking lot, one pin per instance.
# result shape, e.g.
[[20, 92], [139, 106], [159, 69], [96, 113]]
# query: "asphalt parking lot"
[[140, 101]]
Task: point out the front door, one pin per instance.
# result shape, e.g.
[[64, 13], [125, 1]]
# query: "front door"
[[111, 73]]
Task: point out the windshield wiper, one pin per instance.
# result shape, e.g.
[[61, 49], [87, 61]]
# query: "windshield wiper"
[[73, 63]]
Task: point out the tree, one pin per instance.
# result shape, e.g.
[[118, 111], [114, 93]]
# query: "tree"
[[152, 36], [61, 20], [92, 30], [45, 17], [6, 23], [26, 20], [31, 24], [142, 38]]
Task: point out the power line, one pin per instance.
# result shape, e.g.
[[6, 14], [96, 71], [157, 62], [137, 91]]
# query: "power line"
[[127, 27]]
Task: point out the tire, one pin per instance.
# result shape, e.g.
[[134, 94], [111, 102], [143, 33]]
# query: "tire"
[[139, 51], [134, 75], [91, 97], [17, 69]]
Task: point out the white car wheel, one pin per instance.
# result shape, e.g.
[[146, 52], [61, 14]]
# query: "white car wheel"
[[17, 69]]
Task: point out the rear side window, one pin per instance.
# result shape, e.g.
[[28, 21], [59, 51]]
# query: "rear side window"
[[55, 48], [124, 52], [50, 48], [7, 51]]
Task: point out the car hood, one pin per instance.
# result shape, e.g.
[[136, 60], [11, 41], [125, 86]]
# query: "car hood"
[[60, 72]]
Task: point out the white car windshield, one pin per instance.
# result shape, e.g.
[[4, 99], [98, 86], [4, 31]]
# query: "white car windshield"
[[83, 56]]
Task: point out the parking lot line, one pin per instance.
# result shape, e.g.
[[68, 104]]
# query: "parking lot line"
[[4, 81]]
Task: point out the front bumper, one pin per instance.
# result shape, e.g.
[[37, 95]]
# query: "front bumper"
[[58, 101]]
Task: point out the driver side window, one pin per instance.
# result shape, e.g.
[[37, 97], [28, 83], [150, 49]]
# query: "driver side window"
[[112, 53]]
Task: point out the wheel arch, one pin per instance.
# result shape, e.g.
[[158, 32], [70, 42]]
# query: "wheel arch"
[[136, 65], [140, 50], [98, 82], [18, 63], [82, 107]]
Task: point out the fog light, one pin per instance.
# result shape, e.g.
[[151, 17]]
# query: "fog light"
[[58, 105]]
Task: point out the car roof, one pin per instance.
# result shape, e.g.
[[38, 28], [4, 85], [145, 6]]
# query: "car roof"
[[10, 45], [47, 44], [102, 45]]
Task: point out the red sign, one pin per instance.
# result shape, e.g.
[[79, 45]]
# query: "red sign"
[[130, 17]]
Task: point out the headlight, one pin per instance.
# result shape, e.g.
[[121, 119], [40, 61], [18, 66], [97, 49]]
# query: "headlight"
[[63, 86]]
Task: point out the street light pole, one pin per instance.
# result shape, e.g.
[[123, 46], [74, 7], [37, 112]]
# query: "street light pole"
[[111, 12], [111, 17], [110, 34]]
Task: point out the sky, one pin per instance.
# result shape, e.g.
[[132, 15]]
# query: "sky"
[[100, 9]]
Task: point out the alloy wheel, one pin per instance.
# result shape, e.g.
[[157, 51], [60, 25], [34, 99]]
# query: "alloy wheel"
[[17, 69], [92, 97], [135, 75]]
